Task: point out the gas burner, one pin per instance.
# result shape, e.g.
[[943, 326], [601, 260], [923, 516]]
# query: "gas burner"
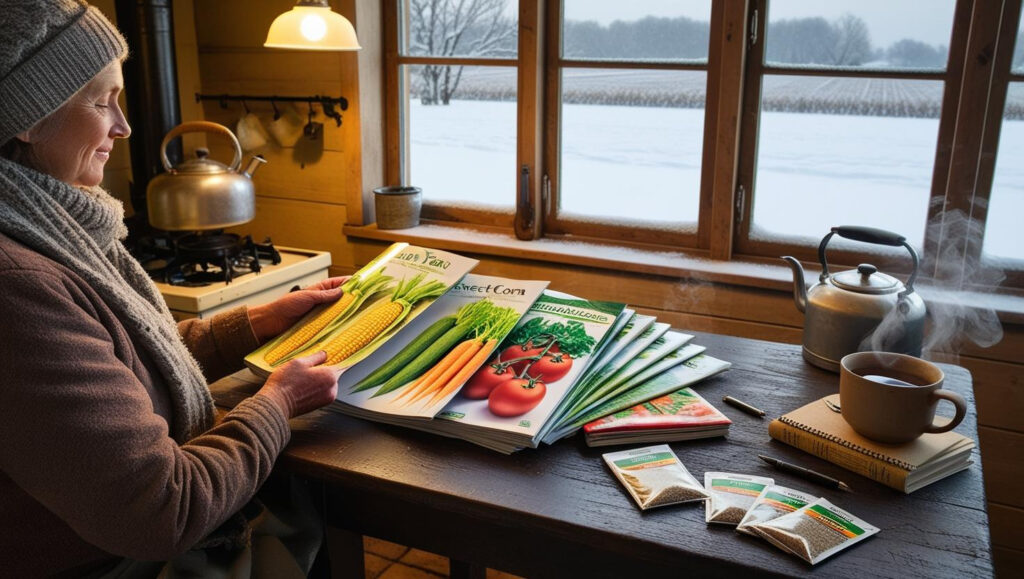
[[201, 259], [203, 247]]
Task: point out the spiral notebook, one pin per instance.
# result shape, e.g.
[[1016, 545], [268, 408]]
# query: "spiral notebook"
[[821, 431]]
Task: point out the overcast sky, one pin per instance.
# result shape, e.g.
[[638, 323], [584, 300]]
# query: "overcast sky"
[[929, 21]]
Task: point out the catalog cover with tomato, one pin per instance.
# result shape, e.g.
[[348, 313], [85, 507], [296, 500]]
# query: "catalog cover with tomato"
[[505, 404], [377, 301], [679, 415], [423, 366]]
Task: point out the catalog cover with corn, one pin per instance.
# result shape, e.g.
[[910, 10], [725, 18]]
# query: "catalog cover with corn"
[[377, 301]]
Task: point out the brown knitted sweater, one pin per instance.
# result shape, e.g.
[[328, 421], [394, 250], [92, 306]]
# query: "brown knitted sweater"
[[88, 471]]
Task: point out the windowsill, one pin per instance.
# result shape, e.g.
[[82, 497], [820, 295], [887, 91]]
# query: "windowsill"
[[636, 258]]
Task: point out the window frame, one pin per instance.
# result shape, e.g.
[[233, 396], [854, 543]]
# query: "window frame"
[[974, 95]]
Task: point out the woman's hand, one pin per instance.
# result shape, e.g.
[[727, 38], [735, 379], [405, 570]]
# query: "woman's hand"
[[269, 320], [303, 384]]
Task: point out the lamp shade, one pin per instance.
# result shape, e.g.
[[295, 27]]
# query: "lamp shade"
[[312, 25]]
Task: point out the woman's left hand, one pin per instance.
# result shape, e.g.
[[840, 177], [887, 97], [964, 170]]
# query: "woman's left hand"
[[269, 320]]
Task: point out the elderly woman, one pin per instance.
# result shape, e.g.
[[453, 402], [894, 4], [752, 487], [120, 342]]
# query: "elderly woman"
[[109, 451]]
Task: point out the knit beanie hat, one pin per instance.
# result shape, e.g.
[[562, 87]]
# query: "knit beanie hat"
[[49, 49]]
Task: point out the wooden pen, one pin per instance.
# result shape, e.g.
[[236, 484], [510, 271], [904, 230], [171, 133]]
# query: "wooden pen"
[[805, 473], [751, 410]]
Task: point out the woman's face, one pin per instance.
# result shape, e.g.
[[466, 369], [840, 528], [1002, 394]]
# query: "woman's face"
[[74, 142]]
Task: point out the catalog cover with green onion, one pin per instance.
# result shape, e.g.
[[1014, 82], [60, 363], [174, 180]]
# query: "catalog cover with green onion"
[[431, 360], [378, 300]]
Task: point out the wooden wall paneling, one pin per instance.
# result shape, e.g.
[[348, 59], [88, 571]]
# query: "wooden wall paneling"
[[1005, 525], [186, 56], [301, 224], [230, 23], [371, 110], [998, 389], [1007, 562], [117, 174], [727, 326], [1004, 469], [297, 67], [1010, 348]]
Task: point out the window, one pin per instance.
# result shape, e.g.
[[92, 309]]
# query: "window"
[[733, 128]]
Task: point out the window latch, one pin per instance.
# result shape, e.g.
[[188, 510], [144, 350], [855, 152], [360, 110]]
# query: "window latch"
[[546, 195], [753, 27], [741, 196], [524, 207]]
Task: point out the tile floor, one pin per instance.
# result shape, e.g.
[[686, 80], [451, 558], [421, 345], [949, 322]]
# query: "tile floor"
[[386, 560]]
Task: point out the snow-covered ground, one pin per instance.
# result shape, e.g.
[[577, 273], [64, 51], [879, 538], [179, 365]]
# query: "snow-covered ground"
[[814, 170]]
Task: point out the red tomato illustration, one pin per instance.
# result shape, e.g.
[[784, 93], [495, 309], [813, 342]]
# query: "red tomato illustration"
[[516, 397], [485, 379]]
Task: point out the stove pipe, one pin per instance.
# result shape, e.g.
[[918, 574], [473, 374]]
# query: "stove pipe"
[[151, 92]]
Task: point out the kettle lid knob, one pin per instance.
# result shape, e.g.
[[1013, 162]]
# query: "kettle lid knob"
[[866, 269]]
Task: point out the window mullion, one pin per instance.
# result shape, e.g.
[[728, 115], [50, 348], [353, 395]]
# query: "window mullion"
[[729, 40], [529, 218], [953, 244], [392, 98], [753, 69], [1001, 78], [551, 120]]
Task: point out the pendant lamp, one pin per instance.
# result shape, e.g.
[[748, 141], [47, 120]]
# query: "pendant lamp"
[[312, 25]]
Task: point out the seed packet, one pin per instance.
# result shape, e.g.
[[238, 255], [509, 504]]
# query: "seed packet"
[[815, 531], [773, 502], [654, 476], [731, 495]]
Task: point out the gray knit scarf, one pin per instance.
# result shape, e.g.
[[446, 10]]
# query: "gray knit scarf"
[[82, 230]]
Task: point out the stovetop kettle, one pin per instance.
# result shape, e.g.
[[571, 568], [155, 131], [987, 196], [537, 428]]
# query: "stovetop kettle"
[[202, 194], [858, 309]]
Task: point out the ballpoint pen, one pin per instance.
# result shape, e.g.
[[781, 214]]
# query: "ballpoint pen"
[[743, 406], [805, 473]]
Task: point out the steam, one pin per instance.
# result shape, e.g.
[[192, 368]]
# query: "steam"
[[954, 316]]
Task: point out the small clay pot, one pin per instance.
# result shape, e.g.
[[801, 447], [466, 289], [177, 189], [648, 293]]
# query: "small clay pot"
[[397, 207]]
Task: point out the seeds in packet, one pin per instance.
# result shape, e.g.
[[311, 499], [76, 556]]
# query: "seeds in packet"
[[815, 531], [731, 495], [654, 476], [773, 502]]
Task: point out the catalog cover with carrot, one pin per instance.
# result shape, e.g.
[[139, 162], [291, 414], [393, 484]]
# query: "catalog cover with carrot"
[[378, 300], [418, 371], [507, 401]]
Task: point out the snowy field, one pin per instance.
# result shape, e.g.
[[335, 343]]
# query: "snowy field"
[[620, 162]]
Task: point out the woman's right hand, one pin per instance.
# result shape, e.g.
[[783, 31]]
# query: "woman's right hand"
[[303, 384]]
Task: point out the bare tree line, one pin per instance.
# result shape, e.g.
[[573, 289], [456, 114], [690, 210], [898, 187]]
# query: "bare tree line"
[[483, 29]]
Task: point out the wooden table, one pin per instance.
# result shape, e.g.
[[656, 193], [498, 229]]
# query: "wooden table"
[[557, 511]]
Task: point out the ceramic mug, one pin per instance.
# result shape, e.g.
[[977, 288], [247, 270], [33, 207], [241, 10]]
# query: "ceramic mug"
[[891, 398], [252, 136], [287, 127]]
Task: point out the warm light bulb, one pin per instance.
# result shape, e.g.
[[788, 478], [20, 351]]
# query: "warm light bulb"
[[313, 27]]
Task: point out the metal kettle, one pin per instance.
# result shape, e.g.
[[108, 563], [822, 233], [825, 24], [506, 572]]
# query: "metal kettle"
[[202, 194], [858, 309]]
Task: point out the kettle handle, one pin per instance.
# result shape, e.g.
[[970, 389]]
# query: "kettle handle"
[[869, 235], [205, 127]]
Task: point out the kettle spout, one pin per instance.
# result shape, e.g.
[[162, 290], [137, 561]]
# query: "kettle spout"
[[799, 287], [254, 164]]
